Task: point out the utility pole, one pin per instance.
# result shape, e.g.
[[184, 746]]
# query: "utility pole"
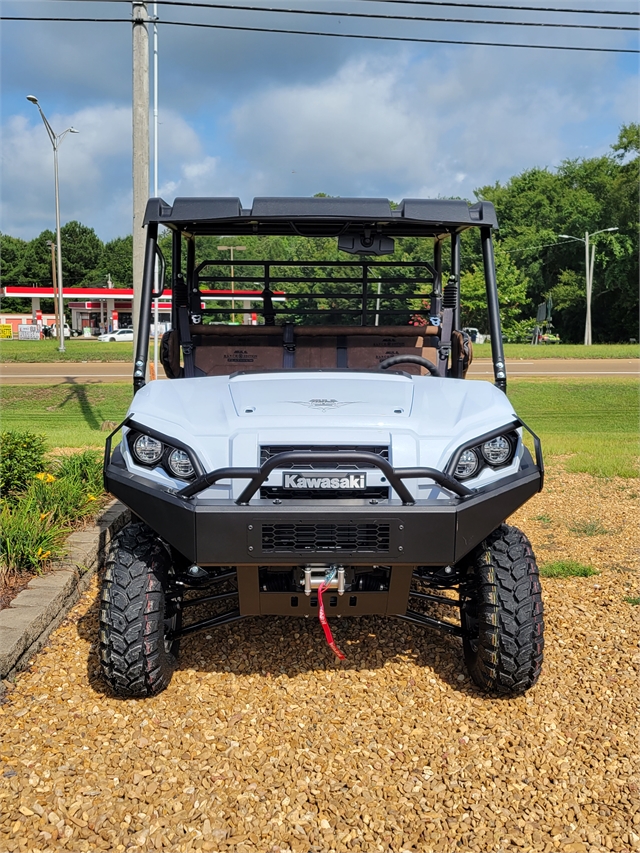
[[233, 275], [140, 149], [52, 246], [589, 261]]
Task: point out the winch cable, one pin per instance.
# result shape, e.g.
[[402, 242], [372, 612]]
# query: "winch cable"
[[330, 575]]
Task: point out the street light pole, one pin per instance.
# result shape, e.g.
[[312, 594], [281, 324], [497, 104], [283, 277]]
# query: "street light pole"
[[589, 262], [55, 141], [230, 249]]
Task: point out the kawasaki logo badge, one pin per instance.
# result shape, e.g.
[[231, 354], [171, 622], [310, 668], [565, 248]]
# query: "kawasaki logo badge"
[[299, 481], [321, 405]]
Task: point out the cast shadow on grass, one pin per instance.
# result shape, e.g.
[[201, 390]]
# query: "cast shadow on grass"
[[78, 393], [259, 645]]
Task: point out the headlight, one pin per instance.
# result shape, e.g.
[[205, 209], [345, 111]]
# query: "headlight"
[[180, 464], [147, 450], [467, 464], [497, 450]]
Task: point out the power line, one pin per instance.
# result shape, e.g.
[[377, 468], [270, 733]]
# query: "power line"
[[379, 16], [503, 8], [454, 3], [331, 35]]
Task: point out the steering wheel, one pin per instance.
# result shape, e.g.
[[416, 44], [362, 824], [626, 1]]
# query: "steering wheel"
[[409, 359]]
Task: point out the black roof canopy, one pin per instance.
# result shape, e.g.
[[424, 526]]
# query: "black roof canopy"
[[321, 217]]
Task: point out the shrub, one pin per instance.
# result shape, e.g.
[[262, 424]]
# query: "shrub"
[[30, 538], [34, 526], [64, 499], [21, 458], [85, 467]]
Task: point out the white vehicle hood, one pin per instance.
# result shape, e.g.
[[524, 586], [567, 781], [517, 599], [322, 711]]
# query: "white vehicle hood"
[[290, 402], [227, 419]]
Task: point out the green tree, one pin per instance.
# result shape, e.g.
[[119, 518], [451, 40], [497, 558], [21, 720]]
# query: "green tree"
[[628, 140], [12, 252], [512, 291], [534, 208], [117, 261], [81, 254]]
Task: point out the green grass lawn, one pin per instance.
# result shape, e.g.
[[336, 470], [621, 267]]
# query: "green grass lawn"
[[592, 422], [79, 349], [67, 415], [76, 349], [526, 352]]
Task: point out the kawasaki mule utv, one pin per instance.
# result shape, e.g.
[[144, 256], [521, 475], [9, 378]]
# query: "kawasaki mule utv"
[[330, 445]]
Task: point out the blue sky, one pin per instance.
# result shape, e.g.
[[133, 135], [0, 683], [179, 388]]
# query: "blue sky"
[[248, 114]]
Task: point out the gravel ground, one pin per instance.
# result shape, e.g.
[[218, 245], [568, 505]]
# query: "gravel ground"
[[265, 742]]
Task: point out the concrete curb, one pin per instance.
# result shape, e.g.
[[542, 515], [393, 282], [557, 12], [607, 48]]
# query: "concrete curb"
[[36, 611]]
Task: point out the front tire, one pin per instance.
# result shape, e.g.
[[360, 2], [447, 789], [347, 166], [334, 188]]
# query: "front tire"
[[137, 612], [502, 614]]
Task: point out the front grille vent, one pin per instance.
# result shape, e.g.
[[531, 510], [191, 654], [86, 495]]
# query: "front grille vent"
[[357, 538], [266, 452], [380, 493]]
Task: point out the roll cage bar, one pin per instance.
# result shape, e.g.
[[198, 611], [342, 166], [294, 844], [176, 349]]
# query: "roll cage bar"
[[362, 219]]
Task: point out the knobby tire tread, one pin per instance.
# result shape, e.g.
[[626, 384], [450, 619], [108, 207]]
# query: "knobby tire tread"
[[507, 652], [134, 659]]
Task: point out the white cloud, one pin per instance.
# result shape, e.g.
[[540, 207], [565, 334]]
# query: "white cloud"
[[430, 127], [267, 115], [94, 165]]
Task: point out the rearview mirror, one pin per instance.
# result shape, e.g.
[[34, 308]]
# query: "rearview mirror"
[[161, 273], [362, 244]]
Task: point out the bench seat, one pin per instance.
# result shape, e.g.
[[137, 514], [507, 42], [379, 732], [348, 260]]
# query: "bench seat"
[[223, 349]]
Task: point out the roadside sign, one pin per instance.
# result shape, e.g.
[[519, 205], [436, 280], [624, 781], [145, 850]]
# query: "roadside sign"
[[28, 333], [6, 330]]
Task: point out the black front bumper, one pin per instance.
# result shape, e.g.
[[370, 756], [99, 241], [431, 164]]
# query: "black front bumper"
[[221, 532]]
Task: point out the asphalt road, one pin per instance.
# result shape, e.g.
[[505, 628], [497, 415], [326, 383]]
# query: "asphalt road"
[[90, 372]]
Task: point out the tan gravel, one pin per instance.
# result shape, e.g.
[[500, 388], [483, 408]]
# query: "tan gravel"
[[264, 742]]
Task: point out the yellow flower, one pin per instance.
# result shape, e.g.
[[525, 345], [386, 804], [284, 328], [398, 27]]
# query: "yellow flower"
[[47, 478], [43, 556], [43, 515], [92, 498]]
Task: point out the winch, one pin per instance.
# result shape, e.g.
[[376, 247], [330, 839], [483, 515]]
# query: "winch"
[[319, 574]]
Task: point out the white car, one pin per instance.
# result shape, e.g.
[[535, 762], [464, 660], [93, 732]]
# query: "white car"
[[68, 331], [476, 336], [117, 335]]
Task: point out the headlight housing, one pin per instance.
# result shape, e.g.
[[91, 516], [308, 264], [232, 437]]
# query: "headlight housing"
[[180, 464], [147, 450], [495, 452], [467, 465], [154, 452]]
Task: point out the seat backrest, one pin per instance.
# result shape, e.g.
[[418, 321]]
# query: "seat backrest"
[[220, 350], [223, 349]]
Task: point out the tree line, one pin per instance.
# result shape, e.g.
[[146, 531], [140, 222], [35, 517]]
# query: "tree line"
[[533, 263]]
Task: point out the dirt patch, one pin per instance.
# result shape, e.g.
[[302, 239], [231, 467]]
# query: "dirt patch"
[[11, 585], [264, 742], [588, 519]]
